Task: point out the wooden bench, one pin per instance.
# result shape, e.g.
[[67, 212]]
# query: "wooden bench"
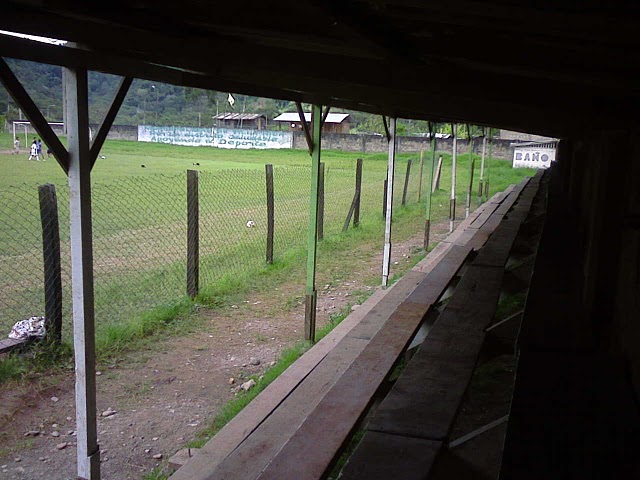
[[297, 425], [411, 427], [8, 345]]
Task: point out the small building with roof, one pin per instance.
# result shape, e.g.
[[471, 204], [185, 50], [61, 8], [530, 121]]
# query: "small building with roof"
[[334, 123], [253, 121]]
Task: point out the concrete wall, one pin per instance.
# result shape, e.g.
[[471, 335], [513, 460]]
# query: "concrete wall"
[[378, 144], [117, 132]]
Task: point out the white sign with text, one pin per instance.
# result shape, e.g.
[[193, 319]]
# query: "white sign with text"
[[531, 157]]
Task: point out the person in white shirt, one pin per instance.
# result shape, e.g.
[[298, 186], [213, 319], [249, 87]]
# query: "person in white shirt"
[[16, 147], [34, 151]]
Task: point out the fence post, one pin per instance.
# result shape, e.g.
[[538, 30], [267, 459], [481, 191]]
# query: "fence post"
[[193, 234], [406, 183], [320, 225], [356, 211], [51, 258], [384, 200], [436, 179], [420, 177], [270, 212]]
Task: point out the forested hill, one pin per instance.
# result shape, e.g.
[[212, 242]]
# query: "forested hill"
[[159, 103]]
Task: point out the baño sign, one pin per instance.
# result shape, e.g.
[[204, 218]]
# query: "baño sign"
[[532, 157]]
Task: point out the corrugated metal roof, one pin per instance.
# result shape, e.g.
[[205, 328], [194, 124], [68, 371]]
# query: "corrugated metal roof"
[[294, 117], [237, 116]]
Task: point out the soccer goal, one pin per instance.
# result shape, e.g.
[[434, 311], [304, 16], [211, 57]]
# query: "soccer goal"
[[18, 126]]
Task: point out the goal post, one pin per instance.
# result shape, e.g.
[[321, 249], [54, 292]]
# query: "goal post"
[[24, 125]]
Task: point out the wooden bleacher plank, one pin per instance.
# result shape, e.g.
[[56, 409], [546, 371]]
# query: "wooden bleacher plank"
[[312, 447], [414, 458], [9, 344], [425, 399], [508, 202], [351, 394], [496, 250], [256, 451]]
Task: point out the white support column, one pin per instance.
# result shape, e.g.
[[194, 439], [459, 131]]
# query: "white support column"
[[77, 123], [452, 201], [386, 256]]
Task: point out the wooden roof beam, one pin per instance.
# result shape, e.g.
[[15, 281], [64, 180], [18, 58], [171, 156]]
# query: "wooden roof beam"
[[22, 98]]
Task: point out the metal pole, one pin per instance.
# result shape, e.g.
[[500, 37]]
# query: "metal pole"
[[452, 201], [311, 296], [386, 256], [77, 108], [467, 205], [486, 182], [427, 229], [484, 149]]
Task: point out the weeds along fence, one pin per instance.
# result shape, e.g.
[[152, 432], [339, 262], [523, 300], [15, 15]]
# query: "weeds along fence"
[[141, 227]]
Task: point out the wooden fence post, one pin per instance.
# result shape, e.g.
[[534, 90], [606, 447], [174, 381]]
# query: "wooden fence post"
[[356, 211], [438, 174], [320, 225], [270, 212], [420, 176], [193, 234], [406, 183], [51, 257]]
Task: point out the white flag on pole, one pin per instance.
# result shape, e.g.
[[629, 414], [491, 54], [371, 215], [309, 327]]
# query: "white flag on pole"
[[231, 100]]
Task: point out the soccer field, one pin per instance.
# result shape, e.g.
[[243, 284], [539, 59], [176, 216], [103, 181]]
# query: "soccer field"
[[139, 217]]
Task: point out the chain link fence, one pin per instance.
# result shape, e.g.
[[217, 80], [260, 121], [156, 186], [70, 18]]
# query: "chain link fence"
[[140, 227]]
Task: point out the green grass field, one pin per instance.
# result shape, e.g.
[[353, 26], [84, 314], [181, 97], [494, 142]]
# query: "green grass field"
[[139, 219]]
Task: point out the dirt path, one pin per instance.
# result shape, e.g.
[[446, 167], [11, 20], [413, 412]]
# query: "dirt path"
[[164, 396]]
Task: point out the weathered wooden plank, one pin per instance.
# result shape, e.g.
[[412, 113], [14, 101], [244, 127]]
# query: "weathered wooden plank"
[[348, 399], [381, 456], [193, 234], [496, 250], [508, 202], [251, 457], [425, 399], [430, 289], [9, 344], [270, 212], [311, 448], [474, 301], [486, 213]]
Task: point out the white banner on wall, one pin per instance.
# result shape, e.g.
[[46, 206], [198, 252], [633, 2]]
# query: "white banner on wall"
[[215, 137], [531, 157], [241, 138]]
